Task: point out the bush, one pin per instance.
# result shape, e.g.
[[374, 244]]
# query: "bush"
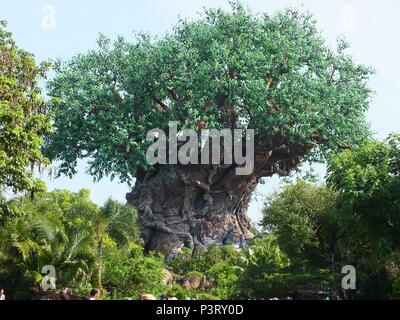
[[195, 274], [132, 273], [178, 291], [223, 277], [396, 289], [206, 296], [83, 289]]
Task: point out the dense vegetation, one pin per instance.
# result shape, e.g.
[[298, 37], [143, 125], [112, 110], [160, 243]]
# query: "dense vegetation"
[[23, 118], [274, 74], [308, 231], [92, 246]]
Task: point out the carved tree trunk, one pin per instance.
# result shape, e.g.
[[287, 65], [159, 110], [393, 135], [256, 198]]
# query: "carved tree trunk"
[[199, 205]]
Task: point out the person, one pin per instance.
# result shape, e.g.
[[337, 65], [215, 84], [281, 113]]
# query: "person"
[[94, 294], [2, 295], [144, 296], [64, 294], [164, 296]]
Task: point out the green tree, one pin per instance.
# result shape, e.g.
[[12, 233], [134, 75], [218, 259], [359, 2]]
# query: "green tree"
[[368, 182], [117, 221], [266, 272], [223, 277], [32, 241], [42, 235], [23, 117], [271, 73], [302, 217], [66, 230]]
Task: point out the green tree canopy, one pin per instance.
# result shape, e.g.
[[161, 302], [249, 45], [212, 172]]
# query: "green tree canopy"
[[52, 230], [23, 116], [302, 218], [271, 73], [368, 181]]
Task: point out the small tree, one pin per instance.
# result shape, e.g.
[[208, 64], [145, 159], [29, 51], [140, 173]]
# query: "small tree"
[[117, 221], [301, 216]]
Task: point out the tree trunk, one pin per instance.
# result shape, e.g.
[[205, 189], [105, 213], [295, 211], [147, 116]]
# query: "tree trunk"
[[198, 205], [99, 266]]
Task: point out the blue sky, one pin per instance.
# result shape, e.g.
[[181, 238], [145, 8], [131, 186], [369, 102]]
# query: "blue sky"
[[61, 28]]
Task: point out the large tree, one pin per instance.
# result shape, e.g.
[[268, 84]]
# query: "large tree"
[[271, 73], [23, 117]]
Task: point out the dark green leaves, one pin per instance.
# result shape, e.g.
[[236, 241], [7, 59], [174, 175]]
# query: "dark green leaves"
[[274, 74], [369, 181]]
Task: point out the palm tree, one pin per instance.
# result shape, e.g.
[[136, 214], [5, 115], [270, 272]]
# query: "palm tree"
[[17, 247], [65, 230], [119, 222], [34, 240]]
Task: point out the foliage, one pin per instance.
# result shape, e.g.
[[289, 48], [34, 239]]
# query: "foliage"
[[271, 73], [65, 229], [309, 222], [115, 224], [263, 263], [396, 289], [23, 117], [178, 292], [201, 259], [260, 270], [369, 180], [223, 278], [205, 296], [120, 222], [62, 229], [301, 217], [353, 220], [130, 273], [219, 264]]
